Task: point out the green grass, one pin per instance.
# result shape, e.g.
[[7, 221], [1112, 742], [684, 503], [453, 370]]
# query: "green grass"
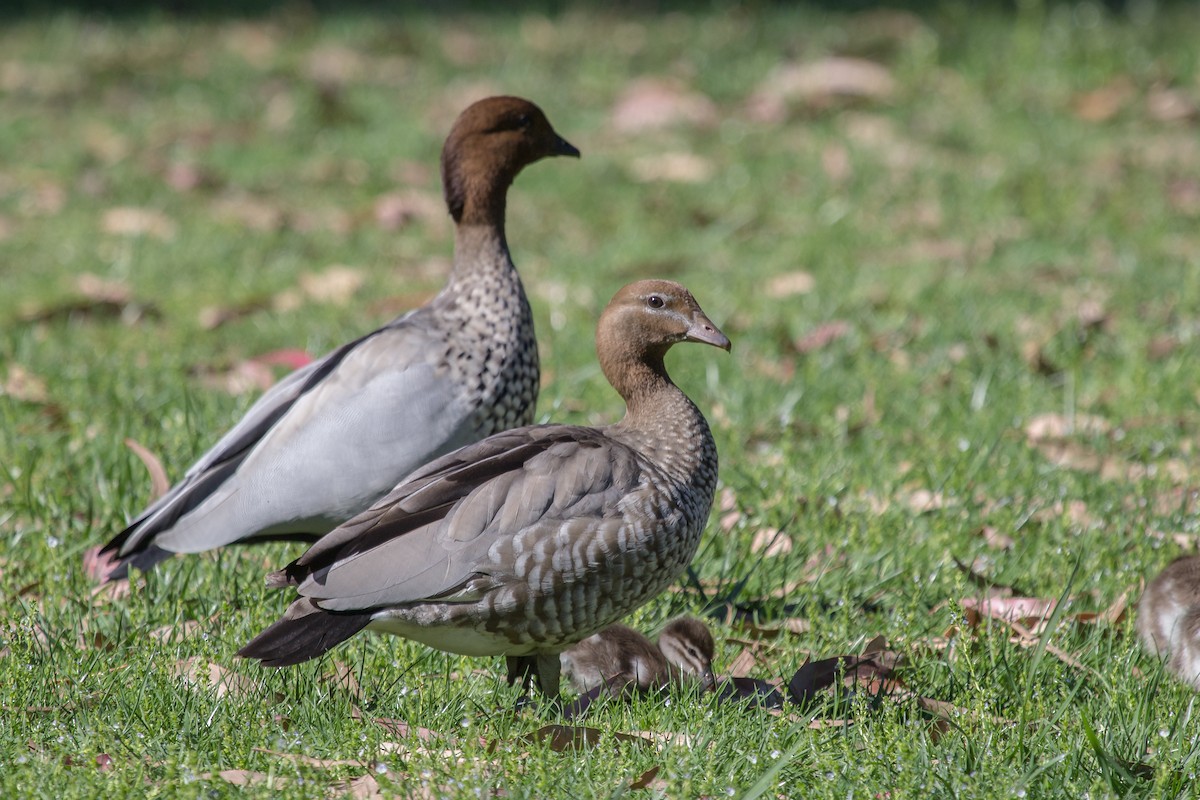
[[956, 228]]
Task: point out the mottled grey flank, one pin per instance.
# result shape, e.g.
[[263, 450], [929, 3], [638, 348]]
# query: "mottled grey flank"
[[534, 538], [331, 438]]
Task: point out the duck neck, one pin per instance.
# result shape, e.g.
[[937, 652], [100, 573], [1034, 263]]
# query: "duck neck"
[[477, 192], [480, 251]]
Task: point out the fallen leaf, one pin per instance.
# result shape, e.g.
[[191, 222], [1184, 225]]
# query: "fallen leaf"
[[1043, 427], [201, 674], [184, 176], [819, 84], [788, 284], [252, 213], [103, 290], [990, 585], [213, 317], [159, 484], [822, 336], [1032, 612], [242, 777], [240, 378], [1104, 103], [771, 542], [132, 221], [645, 780], [396, 210], [562, 738], [922, 500], [994, 539], [292, 358], [320, 763], [342, 676], [836, 163], [1170, 105], [97, 568], [745, 661], [1183, 195], [848, 671], [335, 285], [22, 385], [111, 591], [364, 787], [673, 167], [650, 104], [167, 634]]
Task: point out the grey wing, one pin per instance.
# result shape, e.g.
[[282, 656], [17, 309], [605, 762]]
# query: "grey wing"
[[306, 454], [471, 522]]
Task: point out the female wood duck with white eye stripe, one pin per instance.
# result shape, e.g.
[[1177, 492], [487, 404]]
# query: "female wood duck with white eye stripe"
[[533, 539]]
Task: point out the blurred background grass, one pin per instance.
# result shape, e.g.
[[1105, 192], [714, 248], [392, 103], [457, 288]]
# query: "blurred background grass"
[[987, 218]]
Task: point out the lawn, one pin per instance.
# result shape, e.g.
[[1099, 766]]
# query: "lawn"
[[957, 252]]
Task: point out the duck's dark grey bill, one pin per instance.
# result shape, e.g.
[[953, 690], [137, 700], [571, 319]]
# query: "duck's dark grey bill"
[[704, 332], [564, 148]]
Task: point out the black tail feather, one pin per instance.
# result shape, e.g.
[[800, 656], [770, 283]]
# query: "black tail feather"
[[304, 631]]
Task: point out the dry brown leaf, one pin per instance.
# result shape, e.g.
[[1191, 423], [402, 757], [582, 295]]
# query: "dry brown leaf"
[[952, 713], [976, 573], [342, 676], [650, 104], [822, 336], [364, 787], [249, 212], [97, 568], [649, 780], [201, 674], [168, 634], [745, 661], [159, 484], [922, 500], [183, 176], [396, 210], [132, 221], [244, 376], [21, 384], [994, 539], [244, 777], [836, 163], [1101, 105], [213, 317], [1031, 612], [771, 542], [103, 290], [1043, 427], [1183, 195], [819, 84], [1164, 104], [335, 286], [254, 42], [673, 167], [1187, 541], [788, 284], [319, 763]]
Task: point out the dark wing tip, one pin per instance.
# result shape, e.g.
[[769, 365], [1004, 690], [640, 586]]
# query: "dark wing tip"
[[305, 631]]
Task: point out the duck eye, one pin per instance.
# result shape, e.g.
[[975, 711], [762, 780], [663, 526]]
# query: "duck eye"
[[655, 301], [524, 121]]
